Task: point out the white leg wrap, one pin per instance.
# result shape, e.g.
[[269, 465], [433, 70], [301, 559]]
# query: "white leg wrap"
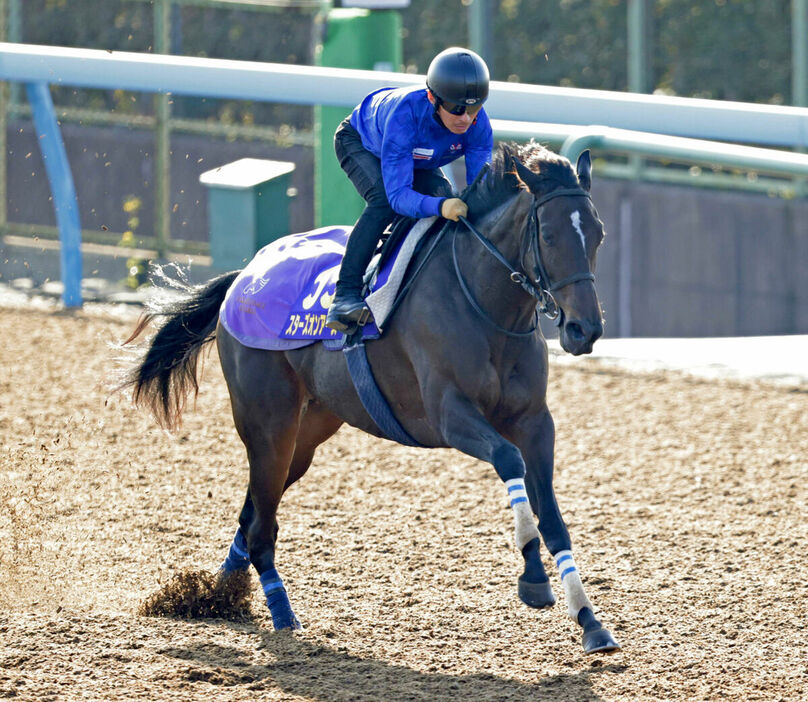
[[524, 525], [573, 587]]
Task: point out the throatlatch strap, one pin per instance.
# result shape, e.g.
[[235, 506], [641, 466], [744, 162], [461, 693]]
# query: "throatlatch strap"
[[372, 399]]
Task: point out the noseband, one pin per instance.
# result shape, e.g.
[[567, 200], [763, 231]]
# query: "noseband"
[[540, 286]]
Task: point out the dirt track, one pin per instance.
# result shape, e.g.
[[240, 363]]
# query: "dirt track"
[[687, 501]]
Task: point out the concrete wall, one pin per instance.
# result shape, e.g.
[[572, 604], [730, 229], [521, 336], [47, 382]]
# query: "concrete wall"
[[680, 261], [677, 261], [109, 164]]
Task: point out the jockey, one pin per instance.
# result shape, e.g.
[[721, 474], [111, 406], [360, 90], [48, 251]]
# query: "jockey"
[[392, 147]]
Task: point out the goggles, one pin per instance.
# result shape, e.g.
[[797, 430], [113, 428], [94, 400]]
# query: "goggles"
[[455, 109]]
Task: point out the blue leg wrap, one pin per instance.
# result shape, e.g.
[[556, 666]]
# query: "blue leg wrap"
[[237, 557], [278, 601]]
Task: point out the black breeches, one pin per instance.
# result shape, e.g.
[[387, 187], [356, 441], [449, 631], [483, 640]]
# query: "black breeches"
[[365, 172]]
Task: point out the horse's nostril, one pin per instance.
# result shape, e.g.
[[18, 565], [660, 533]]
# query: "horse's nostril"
[[583, 331], [574, 331]]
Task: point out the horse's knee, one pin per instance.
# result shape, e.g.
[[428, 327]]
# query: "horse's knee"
[[508, 462]]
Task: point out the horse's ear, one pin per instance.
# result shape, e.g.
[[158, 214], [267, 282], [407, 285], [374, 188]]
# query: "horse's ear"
[[512, 165], [527, 176], [584, 169], [508, 157]]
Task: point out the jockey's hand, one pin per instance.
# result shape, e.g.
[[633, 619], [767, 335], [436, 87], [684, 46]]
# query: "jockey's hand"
[[454, 208]]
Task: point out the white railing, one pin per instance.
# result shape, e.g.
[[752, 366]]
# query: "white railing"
[[183, 75]]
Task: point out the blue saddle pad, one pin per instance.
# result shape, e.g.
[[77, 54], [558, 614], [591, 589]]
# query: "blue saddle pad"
[[280, 300]]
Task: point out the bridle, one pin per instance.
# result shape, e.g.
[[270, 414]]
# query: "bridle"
[[531, 242], [539, 286]]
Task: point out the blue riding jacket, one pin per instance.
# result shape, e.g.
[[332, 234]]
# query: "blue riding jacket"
[[399, 126]]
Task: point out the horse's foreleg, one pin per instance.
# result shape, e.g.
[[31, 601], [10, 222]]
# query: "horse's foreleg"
[[465, 428], [536, 435]]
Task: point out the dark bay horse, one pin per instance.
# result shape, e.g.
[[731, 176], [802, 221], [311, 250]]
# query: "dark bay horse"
[[463, 364]]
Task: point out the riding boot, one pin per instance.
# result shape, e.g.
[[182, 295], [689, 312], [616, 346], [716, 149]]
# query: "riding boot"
[[348, 307]]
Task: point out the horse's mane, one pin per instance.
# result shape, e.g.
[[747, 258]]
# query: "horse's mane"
[[502, 181]]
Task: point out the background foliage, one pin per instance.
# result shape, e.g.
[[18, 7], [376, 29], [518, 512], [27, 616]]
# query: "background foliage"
[[723, 49]]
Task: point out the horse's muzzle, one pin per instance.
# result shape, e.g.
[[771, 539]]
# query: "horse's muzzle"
[[578, 336]]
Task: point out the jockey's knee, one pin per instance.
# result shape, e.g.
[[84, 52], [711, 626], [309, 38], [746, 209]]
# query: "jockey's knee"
[[381, 210]]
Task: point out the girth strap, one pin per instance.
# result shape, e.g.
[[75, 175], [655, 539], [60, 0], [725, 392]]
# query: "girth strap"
[[371, 397]]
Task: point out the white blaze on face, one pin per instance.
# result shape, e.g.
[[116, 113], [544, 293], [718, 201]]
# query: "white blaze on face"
[[576, 223]]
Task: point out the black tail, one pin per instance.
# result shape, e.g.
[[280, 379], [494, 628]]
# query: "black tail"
[[167, 371]]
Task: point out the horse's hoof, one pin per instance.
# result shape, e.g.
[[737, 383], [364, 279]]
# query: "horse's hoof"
[[536, 595], [292, 623], [283, 616], [599, 641]]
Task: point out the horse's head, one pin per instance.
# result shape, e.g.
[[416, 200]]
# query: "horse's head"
[[562, 239]]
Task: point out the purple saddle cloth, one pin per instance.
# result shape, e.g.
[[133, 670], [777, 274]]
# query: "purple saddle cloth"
[[280, 300]]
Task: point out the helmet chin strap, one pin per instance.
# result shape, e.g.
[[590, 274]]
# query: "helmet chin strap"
[[435, 106], [436, 112]]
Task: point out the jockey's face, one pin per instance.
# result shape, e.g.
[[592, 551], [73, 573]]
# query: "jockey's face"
[[456, 124]]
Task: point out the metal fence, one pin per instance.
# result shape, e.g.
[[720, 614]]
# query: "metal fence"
[[38, 67], [161, 124]]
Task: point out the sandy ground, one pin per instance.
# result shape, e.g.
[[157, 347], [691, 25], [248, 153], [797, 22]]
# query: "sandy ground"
[[687, 500]]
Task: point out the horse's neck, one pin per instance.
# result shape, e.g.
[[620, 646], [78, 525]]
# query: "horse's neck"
[[505, 301], [504, 226]]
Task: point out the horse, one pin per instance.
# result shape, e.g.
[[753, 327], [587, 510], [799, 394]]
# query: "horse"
[[463, 358]]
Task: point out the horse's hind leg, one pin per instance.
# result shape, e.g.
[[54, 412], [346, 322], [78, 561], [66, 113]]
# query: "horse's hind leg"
[[537, 436], [270, 446], [238, 557], [266, 397], [316, 426]]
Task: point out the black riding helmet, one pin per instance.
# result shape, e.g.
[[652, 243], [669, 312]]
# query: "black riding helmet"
[[458, 76]]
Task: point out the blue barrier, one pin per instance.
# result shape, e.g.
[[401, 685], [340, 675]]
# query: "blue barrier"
[[65, 202]]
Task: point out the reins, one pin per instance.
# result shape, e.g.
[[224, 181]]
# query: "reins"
[[541, 288], [470, 298]]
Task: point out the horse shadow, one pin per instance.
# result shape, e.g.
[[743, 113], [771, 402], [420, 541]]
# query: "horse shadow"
[[310, 670]]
